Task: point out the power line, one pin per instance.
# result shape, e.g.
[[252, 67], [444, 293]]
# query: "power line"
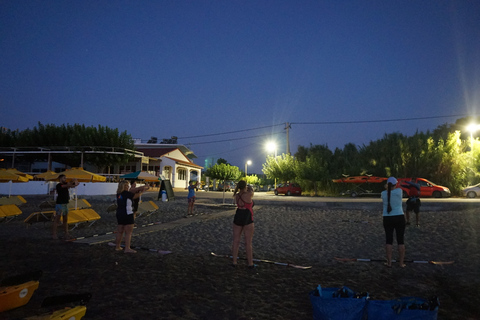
[[229, 132], [385, 120], [234, 139]]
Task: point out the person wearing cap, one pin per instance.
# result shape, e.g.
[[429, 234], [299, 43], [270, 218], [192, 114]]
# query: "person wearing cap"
[[393, 220]]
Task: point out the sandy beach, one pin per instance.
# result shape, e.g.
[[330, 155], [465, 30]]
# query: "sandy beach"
[[190, 283]]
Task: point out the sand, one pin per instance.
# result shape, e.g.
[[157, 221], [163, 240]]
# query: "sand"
[[190, 283]]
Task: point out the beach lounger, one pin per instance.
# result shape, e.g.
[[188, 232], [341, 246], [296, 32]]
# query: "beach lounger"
[[9, 212], [81, 204], [16, 200], [75, 217], [147, 207], [112, 208], [42, 216], [82, 215]]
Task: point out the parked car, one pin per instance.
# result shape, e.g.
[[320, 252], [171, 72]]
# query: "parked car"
[[229, 186], [427, 188], [472, 191], [288, 189]]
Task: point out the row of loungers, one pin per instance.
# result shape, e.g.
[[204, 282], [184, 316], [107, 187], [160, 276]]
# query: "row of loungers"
[[80, 211], [9, 207]]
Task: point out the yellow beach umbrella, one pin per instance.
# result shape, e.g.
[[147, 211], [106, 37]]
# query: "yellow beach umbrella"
[[44, 175], [7, 176], [20, 173], [10, 177], [80, 174]]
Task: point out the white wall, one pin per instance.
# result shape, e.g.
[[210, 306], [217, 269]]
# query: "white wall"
[[42, 187]]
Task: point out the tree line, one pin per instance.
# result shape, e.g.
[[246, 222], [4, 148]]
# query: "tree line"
[[76, 137], [447, 156]]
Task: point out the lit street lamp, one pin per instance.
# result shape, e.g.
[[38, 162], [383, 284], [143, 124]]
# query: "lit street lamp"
[[272, 147], [247, 164]]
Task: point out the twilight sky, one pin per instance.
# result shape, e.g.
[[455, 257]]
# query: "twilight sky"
[[225, 76]]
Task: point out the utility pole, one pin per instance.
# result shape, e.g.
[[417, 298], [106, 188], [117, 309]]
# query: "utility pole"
[[288, 127]]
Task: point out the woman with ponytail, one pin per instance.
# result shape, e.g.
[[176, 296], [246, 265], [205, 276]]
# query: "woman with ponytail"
[[243, 222], [393, 220]]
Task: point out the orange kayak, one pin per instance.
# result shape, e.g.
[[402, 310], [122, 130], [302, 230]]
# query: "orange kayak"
[[16, 296], [360, 179]]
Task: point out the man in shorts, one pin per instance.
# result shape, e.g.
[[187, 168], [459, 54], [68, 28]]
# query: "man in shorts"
[[61, 205], [413, 201]]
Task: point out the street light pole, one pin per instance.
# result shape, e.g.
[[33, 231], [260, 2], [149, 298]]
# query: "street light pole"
[[272, 146]]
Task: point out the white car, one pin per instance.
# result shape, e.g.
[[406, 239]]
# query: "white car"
[[472, 191]]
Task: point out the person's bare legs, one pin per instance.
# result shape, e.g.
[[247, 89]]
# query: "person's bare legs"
[[119, 236], [407, 217], [65, 227], [417, 218], [388, 251], [237, 235], [128, 238], [401, 255], [56, 221], [248, 230]]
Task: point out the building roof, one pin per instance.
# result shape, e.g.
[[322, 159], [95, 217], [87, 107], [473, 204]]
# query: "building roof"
[[156, 152], [159, 146], [186, 163]]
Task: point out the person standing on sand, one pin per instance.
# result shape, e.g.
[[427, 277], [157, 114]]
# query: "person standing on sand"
[[413, 201], [243, 222], [125, 216], [192, 185], [136, 201], [61, 205], [393, 220]]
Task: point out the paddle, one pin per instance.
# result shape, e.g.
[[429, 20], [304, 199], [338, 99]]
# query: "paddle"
[[383, 260], [266, 261]]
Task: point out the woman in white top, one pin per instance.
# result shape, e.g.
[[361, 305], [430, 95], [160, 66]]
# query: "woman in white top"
[[393, 220]]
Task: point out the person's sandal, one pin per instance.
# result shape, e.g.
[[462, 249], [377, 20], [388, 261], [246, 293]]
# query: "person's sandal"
[[254, 266]]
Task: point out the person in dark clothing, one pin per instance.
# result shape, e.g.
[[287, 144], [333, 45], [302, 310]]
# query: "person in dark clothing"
[[413, 201], [61, 204], [125, 216]]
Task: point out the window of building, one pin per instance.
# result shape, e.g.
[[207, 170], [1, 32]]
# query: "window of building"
[[182, 174]]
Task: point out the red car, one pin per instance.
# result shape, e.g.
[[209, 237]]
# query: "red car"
[[288, 189], [427, 188]]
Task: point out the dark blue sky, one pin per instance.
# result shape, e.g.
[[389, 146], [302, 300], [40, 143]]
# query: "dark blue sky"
[[188, 68]]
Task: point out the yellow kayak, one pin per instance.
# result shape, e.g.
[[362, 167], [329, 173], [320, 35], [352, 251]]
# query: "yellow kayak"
[[12, 297], [74, 313]]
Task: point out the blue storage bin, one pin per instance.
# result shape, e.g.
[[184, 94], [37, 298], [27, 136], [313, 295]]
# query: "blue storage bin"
[[338, 304], [407, 308]]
